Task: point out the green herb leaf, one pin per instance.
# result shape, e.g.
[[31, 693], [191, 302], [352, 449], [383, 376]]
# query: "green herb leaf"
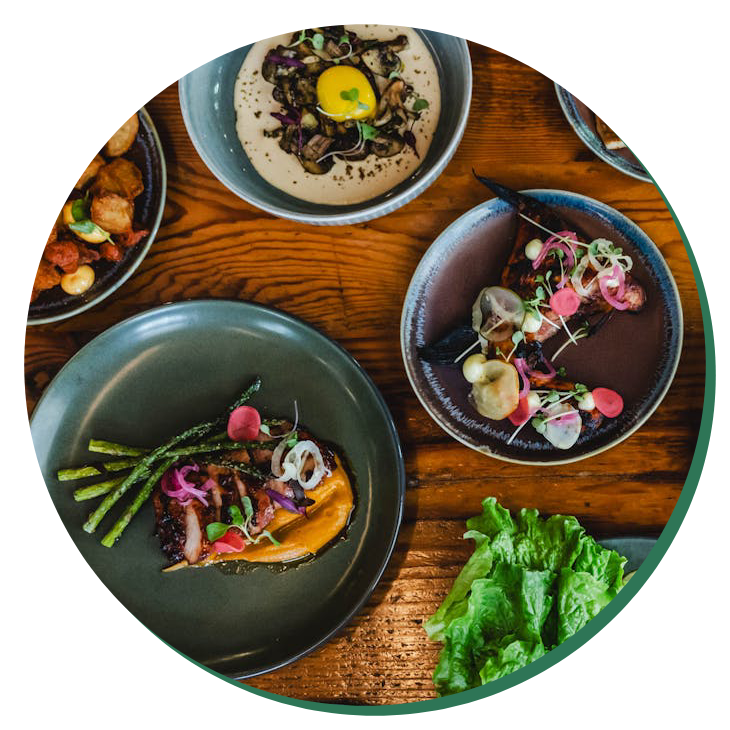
[[265, 429], [420, 105], [540, 278], [88, 227], [562, 372], [367, 131], [517, 337], [236, 516], [293, 440], [360, 105], [247, 508], [318, 41], [80, 209], [216, 530], [552, 397], [394, 75], [538, 423], [266, 533], [350, 95], [344, 39], [540, 293]]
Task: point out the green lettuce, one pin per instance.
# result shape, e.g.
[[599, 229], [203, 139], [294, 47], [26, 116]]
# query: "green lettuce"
[[529, 585]]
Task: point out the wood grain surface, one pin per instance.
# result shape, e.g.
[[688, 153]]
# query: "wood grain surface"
[[350, 282]]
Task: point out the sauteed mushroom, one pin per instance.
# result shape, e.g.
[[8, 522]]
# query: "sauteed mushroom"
[[318, 137]]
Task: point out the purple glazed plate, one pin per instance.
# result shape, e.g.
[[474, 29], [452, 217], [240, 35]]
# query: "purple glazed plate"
[[634, 354]]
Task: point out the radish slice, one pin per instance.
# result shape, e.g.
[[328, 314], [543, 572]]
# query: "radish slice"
[[563, 430], [231, 542], [608, 402], [521, 413], [565, 302], [244, 424], [526, 409]]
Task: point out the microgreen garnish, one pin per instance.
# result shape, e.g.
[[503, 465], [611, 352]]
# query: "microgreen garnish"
[[420, 105], [368, 132], [317, 40], [265, 429], [344, 39], [394, 75], [216, 530], [293, 439], [352, 95], [561, 371]]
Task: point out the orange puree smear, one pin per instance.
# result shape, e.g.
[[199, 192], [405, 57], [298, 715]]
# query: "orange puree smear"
[[302, 536]]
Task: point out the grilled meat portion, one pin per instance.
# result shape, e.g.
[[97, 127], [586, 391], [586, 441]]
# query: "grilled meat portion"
[[182, 529], [520, 276]]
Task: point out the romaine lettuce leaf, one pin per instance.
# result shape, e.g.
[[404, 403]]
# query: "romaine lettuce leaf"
[[529, 585]]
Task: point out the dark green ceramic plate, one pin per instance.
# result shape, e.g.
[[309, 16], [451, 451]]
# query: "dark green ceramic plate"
[[155, 374], [634, 549]]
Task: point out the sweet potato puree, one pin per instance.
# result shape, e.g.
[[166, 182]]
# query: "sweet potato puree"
[[302, 536]]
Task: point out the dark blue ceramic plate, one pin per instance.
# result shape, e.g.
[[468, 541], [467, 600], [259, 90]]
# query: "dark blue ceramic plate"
[[163, 370], [54, 304], [634, 354]]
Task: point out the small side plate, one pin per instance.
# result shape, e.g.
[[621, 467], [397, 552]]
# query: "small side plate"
[[583, 121], [54, 304]]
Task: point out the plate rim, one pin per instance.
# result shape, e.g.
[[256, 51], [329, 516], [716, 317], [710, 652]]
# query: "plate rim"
[[141, 253], [589, 139], [345, 620], [604, 208]]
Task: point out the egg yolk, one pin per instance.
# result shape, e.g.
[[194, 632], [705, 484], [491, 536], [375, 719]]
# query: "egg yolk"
[[344, 93]]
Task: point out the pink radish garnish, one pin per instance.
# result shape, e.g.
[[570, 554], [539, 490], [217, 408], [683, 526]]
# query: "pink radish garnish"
[[244, 424], [565, 302], [608, 402], [231, 542]]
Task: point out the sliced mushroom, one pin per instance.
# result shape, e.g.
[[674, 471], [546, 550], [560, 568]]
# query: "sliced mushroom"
[[387, 145], [316, 147], [317, 168]]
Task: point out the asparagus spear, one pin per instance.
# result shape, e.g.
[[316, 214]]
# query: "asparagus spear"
[[109, 447], [146, 463], [97, 490], [104, 487], [67, 475], [142, 496]]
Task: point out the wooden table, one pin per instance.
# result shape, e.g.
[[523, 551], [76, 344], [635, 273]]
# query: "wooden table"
[[350, 282]]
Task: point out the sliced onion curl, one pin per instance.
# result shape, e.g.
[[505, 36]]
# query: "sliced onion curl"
[[175, 485], [299, 457], [617, 275], [557, 242], [577, 279]]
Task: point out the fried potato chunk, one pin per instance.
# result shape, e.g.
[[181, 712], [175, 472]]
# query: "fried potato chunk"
[[121, 177], [46, 277], [123, 138], [112, 212]]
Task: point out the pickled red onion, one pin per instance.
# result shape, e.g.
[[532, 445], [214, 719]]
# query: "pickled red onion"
[[175, 485], [556, 242], [521, 366], [615, 301]]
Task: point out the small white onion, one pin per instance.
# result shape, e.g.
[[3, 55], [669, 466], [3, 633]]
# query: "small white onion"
[[532, 322], [533, 248], [586, 402]]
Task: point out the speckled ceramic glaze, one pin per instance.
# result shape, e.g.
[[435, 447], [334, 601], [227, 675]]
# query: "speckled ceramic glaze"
[[146, 152], [159, 372], [634, 354], [583, 121], [206, 99]]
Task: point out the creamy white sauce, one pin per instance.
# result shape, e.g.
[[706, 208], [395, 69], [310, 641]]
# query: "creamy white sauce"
[[347, 182]]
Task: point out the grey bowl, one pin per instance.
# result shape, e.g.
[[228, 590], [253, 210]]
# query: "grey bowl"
[[206, 100]]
